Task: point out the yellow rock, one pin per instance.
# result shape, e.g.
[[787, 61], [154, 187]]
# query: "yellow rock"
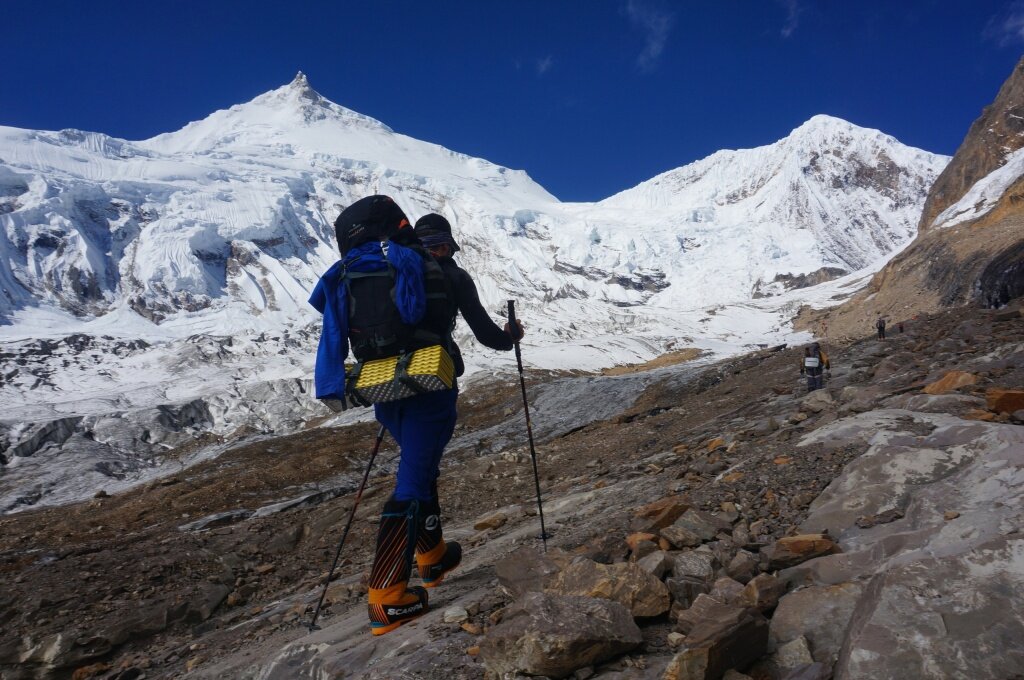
[[715, 443], [953, 380]]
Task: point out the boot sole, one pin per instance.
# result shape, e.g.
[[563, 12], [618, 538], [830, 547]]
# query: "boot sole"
[[382, 630], [437, 581]]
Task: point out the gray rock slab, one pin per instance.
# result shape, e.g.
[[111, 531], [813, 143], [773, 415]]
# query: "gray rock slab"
[[959, 616], [939, 592]]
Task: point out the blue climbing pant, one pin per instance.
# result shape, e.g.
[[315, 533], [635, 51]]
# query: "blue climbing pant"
[[422, 425]]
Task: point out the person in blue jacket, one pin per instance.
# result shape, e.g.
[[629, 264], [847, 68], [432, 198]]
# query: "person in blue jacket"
[[425, 302]]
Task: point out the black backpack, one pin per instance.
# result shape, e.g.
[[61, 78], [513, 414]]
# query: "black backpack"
[[376, 329]]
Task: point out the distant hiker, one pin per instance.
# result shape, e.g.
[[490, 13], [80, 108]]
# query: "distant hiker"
[[813, 364], [899, 327], [386, 305], [880, 327]]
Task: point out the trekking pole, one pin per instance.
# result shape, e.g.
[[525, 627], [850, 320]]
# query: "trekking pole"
[[348, 525], [514, 330]]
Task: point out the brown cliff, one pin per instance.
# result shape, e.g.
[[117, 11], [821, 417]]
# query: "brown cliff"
[[998, 132], [978, 262]]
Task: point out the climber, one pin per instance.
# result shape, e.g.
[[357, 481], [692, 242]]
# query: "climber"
[[813, 364], [880, 327]]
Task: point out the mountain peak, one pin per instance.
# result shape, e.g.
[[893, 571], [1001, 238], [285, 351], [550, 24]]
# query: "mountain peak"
[[301, 88], [821, 125]]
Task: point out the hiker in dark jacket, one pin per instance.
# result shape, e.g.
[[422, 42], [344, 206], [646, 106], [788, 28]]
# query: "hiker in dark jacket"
[[357, 297], [813, 364], [880, 327], [435, 233]]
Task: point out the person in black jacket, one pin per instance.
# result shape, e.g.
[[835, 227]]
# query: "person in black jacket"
[[435, 233]]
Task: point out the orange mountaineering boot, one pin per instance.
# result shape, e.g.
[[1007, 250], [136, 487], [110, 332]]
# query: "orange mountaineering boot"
[[390, 602], [434, 557]]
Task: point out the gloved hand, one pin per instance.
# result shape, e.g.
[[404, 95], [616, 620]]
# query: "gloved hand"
[[519, 325]]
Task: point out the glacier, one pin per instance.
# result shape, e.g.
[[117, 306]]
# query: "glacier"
[[154, 292]]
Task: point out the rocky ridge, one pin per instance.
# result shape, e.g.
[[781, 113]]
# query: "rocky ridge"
[[970, 243], [997, 133], [713, 520]]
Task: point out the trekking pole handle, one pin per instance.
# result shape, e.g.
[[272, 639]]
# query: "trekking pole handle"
[[513, 326]]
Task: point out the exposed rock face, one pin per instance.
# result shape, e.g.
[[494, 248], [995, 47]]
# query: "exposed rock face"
[[994, 135], [797, 281], [943, 576], [554, 635]]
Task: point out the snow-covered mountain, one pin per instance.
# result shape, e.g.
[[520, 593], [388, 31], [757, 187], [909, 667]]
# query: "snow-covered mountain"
[[175, 270]]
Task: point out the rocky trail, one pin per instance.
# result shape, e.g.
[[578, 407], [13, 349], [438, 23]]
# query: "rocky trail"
[[706, 519]]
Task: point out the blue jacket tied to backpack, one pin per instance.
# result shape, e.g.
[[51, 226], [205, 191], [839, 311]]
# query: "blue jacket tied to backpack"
[[330, 298]]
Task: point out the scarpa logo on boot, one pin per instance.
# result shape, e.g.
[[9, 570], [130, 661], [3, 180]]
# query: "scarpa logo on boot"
[[432, 522], [402, 611]]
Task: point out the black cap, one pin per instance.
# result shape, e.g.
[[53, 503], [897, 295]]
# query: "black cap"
[[434, 230], [374, 218]]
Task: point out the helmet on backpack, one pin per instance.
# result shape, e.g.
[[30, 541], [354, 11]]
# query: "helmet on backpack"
[[434, 230], [374, 218]]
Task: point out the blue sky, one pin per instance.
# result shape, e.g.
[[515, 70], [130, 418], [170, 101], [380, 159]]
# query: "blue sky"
[[588, 97]]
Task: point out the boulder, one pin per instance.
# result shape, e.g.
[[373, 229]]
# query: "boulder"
[[727, 591], [685, 589], [661, 513], [656, 564], [793, 654], [953, 380], [528, 570], [743, 566], [642, 549], [635, 539], [627, 583], [606, 548], [206, 601], [703, 524], [811, 671], [735, 675], [721, 637], [554, 635], [697, 564], [792, 550], [1004, 401], [681, 537], [763, 592], [702, 607], [817, 401], [818, 614]]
